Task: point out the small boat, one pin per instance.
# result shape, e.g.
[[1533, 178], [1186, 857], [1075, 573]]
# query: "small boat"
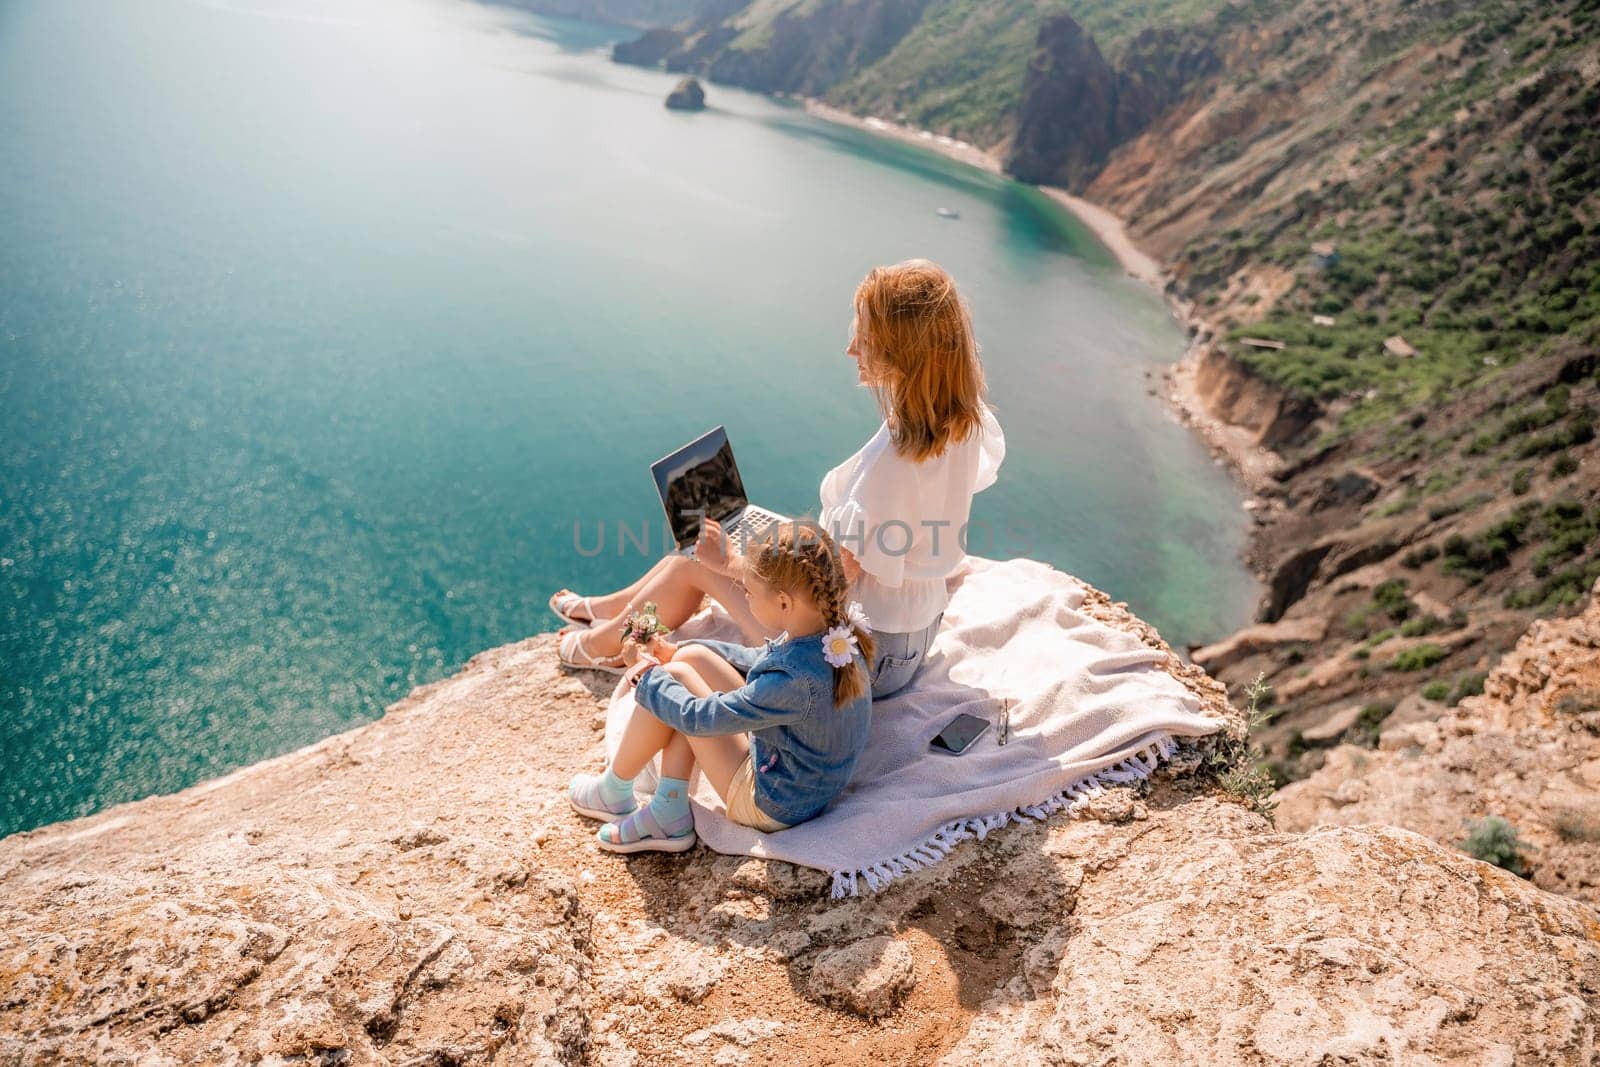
[[949, 213]]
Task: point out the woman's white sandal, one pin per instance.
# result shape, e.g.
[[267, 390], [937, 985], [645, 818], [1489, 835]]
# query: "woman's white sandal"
[[570, 649], [564, 602]]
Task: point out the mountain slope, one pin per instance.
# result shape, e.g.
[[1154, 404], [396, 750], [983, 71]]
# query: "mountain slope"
[[1396, 205], [955, 66]]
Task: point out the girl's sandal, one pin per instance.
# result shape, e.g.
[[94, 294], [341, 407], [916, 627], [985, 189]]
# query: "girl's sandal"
[[566, 604], [584, 795], [572, 654], [640, 832]]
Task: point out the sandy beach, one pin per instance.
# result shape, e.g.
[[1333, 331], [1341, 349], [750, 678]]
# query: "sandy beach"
[[1107, 228], [1234, 446]]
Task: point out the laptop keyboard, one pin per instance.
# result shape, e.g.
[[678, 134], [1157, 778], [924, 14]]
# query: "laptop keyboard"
[[755, 523], [752, 524]]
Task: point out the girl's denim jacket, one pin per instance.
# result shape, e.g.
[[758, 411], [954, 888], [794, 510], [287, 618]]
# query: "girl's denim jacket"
[[802, 748]]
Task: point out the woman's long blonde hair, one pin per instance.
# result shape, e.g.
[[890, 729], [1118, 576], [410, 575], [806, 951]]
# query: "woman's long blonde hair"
[[802, 560], [920, 356]]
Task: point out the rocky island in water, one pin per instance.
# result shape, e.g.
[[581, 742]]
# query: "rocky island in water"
[[687, 95]]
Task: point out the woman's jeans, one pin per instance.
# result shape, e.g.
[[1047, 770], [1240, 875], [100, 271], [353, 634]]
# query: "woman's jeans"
[[898, 656]]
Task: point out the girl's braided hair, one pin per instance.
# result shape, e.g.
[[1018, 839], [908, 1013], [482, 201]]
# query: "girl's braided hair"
[[802, 560]]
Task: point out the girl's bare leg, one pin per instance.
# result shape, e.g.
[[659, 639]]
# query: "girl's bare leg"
[[642, 738], [645, 735], [677, 759], [677, 585]]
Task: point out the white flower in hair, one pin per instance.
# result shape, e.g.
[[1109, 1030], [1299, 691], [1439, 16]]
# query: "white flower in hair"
[[858, 615], [839, 646]]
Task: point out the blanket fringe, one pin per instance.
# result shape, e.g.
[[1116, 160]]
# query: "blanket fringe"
[[938, 844]]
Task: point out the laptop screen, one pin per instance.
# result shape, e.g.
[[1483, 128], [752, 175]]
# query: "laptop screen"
[[700, 477]]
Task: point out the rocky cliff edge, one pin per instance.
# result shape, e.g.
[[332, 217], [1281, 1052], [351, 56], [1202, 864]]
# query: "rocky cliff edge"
[[416, 891], [1526, 751]]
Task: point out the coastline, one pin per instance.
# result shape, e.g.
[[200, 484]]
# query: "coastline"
[[1250, 463], [1110, 230]]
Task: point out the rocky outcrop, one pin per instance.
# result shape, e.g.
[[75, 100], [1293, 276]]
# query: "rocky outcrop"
[[378, 897], [687, 95], [1527, 751], [1291, 577], [417, 891], [811, 49], [1370, 945], [1076, 108], [649, 50], [1331, 556], [1256, 639], [1232, 393], [1069, 104], [1159, 66]]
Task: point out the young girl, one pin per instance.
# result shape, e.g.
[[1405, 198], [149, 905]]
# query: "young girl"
[[775, 730]]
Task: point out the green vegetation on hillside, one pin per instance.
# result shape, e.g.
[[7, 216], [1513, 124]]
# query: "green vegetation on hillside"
[[1559, 532], [952, 66], [960, 70], [1467, 223]]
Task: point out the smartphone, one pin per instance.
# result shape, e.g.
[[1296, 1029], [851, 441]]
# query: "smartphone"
[[959, 734]]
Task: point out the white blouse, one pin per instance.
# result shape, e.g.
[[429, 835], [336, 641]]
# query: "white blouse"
[[906, 521]]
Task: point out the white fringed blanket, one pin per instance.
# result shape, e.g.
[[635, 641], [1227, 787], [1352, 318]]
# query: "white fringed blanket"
[[1090, 708]]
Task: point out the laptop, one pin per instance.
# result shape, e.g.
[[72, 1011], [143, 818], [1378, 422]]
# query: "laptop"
[[702, 478]]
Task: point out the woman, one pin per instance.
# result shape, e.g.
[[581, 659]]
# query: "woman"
[[898, 507]]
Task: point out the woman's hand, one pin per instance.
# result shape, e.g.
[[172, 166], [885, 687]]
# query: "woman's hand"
[[661, 649], [631, 652], [712, 547], [852, 566]]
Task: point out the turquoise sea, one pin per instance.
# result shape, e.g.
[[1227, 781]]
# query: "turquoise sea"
[[325, 323]]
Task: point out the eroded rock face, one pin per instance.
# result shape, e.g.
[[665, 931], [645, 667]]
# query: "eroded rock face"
[[1257, 638], [1527, 750], [418, 891], [1158, 67], [1238, 396], [247, 949], [1370, 945], [1076, 108], [1069, 101]]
